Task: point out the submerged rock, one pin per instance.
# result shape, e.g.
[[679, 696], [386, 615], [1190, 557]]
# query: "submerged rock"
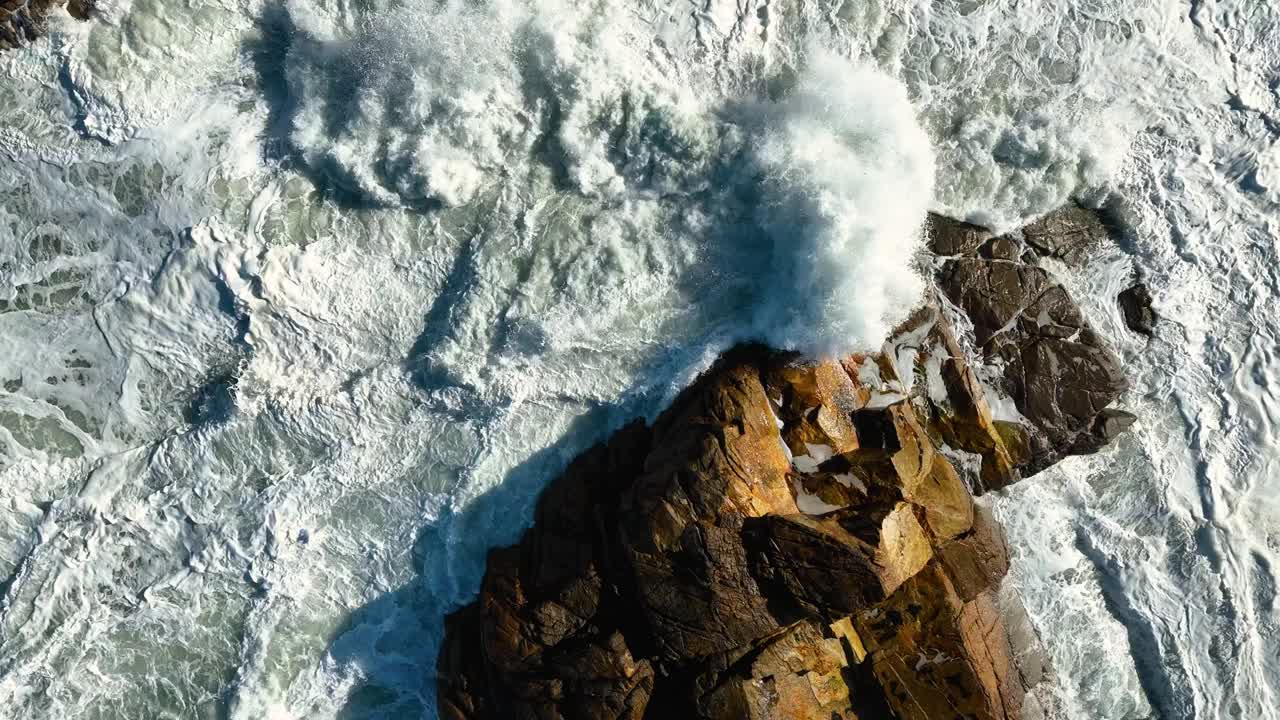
[[1106, 426]]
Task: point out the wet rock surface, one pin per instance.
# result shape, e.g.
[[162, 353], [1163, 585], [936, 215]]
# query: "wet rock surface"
[[1136, 304], [787, 541], [1057, 370], [800, 539], [1068, 234], [22, 21]]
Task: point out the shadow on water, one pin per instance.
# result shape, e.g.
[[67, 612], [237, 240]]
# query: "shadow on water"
[[391, 643], [1161, 675], [281, 45], [394, 640]]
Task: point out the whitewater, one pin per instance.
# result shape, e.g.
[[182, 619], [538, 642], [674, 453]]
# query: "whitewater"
[[302, 302]]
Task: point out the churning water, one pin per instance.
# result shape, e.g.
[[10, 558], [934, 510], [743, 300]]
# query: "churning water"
[[302, 302]]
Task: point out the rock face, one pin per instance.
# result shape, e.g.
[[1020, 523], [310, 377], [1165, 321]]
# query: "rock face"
[[799, 540], [787, 541], [1068, 234], [1135, 302], [22, 21], [1060, 374]]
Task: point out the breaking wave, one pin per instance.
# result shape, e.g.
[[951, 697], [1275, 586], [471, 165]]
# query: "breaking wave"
[[306, 301], [425, 107]]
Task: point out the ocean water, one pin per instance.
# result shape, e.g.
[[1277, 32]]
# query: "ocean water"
[[304, 301]]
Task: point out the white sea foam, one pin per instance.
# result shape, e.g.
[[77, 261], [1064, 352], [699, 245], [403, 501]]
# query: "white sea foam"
[[417, 104], [271, 408], [848, 177]]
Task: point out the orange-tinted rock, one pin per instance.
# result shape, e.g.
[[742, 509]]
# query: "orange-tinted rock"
[[684, 569], [978, 560], [818, 399], [22, 21], [931, 653]]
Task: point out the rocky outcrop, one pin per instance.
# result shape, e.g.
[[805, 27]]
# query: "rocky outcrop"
[[22, 21], [787, 541], [1059, 373], [799, 539], [1069, 234], [1136, 304]]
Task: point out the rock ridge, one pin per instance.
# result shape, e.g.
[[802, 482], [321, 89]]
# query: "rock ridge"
[[800, 539]]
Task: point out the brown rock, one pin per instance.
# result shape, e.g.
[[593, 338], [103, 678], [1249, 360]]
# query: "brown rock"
[[818, 399], [898, 459], [1057, 370], [932, 654], [22, 21], [1068, 234], [946, 394], [672, 573], [1107, 426], [819, 568], [716, 458], [953, 237], [993, 293], [977, 561], [1004, 247]]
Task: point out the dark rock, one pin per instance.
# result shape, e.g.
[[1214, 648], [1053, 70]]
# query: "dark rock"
[[993, 293], [1068, 234], [1057, 370], [1004, 247], [953, 237], [672, 573], [1106, 426], [1139, 315]]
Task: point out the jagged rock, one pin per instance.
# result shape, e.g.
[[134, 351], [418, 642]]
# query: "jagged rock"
[[938, 656], [672, 572], [1135, 302], [715, 460], [1106, 426], [795, 674], [979, 559], [1058, 371], [1004, 247], [820, 567], [821, 397], [953, 237], [1068, 234], [947, 395], [798, 540], [22, 21]]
